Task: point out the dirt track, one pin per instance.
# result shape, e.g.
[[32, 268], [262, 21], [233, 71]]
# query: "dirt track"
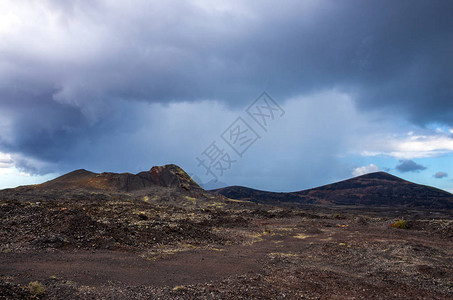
[[97, 268], [295, 257], [185, 267]]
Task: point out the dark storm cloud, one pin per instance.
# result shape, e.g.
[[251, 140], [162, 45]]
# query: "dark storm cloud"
[[65, 74], [440, 175], [388, 52], [409, 166]]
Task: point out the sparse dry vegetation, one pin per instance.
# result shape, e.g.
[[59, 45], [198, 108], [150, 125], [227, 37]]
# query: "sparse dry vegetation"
[[400, 224], [36, 288], [170, 243], [191, 250]]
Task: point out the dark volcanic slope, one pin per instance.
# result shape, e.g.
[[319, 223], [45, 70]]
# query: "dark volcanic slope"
[[374, 189], [165, 176], [84, 184]]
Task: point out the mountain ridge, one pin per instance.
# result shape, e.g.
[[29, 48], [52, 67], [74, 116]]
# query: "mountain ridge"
[[372, 189], [166, 176], [165, 182]]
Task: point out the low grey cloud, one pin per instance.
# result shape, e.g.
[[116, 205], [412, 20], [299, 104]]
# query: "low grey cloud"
[[409, 166], [80, 74], [440, 175]]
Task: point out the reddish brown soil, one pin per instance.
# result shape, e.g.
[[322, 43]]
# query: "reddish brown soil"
[[295, 257], [157, 235]]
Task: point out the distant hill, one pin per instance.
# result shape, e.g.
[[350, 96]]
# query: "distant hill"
[[213, 184], [374, 189], [165, 176], [172, 182], [83, 184]]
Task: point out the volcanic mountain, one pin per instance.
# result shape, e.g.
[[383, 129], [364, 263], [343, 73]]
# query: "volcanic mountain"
[[165, 176], [82, 184], [373, 189]]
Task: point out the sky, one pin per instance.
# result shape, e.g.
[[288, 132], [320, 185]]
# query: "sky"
[[279, 96]]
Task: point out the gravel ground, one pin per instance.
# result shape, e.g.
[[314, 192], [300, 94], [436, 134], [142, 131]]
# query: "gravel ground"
[[218, 249]]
